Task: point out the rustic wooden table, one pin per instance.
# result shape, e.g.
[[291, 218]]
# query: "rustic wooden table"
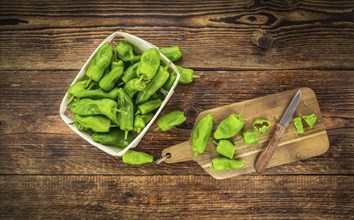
[[241, 49]]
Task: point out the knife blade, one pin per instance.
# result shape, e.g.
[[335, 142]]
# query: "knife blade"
[[266, 155]]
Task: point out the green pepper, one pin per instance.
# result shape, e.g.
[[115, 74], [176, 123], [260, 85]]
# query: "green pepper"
[[310, 119], [298, 125], [125, 52], [155, 84], [139, 124], [130, 73], [76, 88], [111, 78], [223, 164], [116, 64], [169, 83], [173, 53], [229, 127], [98, 94], [149, 106], [115, 137], [187, 75], [170, 120], [100, 63], [133, 86], [201, 134], [147, 117], [95, 123], [86, 107], [261, 125], [125, 112], [149, 64], [137, 158], [250, 137], [226, 148]]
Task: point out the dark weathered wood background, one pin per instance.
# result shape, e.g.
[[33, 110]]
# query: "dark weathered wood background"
[[242, 50]]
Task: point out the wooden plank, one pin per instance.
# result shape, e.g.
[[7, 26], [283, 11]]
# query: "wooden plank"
[[155, 197], [239, 35], [32, 134]]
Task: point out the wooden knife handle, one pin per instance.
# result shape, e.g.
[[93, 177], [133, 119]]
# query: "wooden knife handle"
[[265, 156]]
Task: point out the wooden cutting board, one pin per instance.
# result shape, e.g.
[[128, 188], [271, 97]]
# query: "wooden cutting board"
[[292, 147]]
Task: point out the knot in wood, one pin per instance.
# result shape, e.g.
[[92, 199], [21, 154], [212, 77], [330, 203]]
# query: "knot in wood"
[[191, 113], [265, 42]]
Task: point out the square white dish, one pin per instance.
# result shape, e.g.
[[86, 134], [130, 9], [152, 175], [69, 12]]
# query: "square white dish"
[[140, 46]]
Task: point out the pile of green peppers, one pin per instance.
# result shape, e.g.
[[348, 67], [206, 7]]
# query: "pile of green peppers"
[[121, 94]]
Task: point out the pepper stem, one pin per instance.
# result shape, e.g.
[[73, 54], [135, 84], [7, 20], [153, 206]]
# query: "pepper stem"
[[216, 143], [156, 129], [90, 86], [70, 100], [120, 111], [196, 76], [168, 65], [140, 79], [195, 156], [126, 134], [88, 83]]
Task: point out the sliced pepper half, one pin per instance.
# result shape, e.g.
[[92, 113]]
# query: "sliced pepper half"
[[310, 119], [298, 125], [261, 125]]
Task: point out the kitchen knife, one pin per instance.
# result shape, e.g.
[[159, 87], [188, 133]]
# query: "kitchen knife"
[[265, 156]]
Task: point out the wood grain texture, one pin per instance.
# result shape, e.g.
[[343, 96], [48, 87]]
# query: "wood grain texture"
[[242, 50], [257, 34], [156, 197], [33, 135]]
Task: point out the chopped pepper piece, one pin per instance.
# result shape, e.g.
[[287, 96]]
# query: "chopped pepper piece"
[[223, 164], [298, 125], [229, 127], [261, 125], [226, 148], [250, 137], [310, 119]]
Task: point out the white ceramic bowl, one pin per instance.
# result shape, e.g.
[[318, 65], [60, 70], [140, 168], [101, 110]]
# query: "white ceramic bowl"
[[140, 46]]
